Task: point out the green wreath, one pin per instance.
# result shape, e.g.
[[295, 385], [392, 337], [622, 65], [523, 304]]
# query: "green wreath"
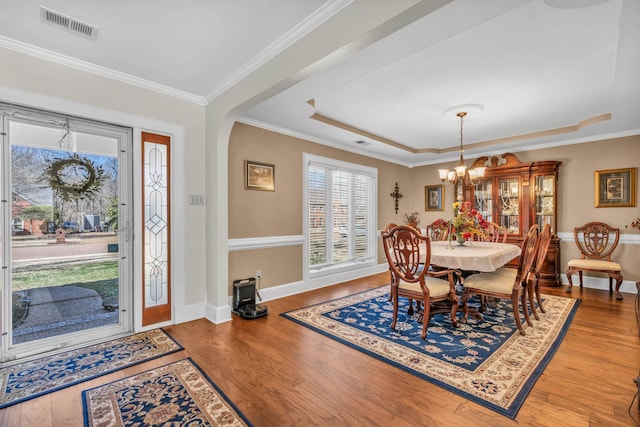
[[89, 188]]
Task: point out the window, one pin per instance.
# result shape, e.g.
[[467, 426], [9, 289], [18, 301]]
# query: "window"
[[340, 215]]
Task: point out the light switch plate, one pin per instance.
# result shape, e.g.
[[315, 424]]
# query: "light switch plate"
[[196, 199]]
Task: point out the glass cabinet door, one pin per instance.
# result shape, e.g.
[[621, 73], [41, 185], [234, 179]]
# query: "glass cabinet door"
[[508, 201], [545, 200], [483, 199]]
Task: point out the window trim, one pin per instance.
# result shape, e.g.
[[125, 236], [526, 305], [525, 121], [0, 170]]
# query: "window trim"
[[308, 272]]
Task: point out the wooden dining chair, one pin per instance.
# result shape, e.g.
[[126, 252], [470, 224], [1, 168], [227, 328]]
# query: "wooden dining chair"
[[504, 283], [496, 233], [402, 247], [493, 233], [544, 239], [596, 242], [437, 233]]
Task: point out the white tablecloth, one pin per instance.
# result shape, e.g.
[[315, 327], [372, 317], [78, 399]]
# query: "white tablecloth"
[[477, 256]]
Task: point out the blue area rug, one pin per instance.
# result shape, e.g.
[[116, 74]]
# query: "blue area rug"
[[176, 394], [486, 360], [35, 378]]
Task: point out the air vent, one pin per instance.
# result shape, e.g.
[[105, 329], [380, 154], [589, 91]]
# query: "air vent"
[[71, 24]]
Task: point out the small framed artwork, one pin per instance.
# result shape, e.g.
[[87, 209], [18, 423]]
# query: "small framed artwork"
[[615, 188], [434, 197], [259, 176]]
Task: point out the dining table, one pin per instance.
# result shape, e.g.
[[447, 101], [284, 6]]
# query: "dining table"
[[473, 255]]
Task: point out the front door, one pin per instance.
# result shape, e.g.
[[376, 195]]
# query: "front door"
[[65, 234]]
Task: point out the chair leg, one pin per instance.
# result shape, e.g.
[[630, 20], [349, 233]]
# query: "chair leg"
[[425, 319], [570, 272], [531, 293], [516, 313], [616, 275], [525, 310], [410, 309], [454, 310], [539, 298], [465, 306], [395, 310], [580, 275]]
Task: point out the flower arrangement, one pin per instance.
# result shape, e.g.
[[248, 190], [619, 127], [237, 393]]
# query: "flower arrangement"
[[467, 222], [412, 218], [634, 224]]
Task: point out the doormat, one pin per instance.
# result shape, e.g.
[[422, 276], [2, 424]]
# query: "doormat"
[[34, 378], [176, 394]]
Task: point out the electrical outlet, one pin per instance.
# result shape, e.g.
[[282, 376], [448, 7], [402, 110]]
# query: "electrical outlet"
[[258, 274]]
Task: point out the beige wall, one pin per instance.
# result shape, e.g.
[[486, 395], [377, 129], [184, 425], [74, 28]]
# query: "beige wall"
[[279, 213], [261, 214]]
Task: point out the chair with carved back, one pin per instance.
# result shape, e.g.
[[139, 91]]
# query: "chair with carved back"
[[496, 233], [534, 289], [505, 283], [402, 247], [596, 242], [436, 233]]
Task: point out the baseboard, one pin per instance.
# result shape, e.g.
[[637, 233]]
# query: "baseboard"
[[219, 314], [190, 312], [602, 283]]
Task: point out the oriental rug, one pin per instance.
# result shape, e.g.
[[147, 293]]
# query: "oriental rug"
[[177, 394], [485, 360], [34, 378]]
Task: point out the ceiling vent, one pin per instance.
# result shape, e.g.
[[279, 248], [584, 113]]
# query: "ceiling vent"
[[71, 24]]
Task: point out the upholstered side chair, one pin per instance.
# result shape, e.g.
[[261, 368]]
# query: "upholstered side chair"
[[596, 242], [406, 250], [505, 283]]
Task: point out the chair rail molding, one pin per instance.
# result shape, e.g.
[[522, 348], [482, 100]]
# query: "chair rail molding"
[[625, 239], [250, 243]]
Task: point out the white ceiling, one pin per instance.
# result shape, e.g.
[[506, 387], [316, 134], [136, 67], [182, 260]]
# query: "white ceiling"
[[544, 72]]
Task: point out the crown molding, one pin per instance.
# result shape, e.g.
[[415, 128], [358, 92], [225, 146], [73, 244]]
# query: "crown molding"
[[68, 61], [321, 141], [303, 28]]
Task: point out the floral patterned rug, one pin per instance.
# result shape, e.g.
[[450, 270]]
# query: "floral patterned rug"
[[485, 360], [177, 394], [37, 377]]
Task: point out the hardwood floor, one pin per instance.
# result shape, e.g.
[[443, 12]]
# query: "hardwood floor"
[[282, 374]]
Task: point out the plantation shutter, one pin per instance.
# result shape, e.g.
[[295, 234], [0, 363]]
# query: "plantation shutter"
[[342, 215]]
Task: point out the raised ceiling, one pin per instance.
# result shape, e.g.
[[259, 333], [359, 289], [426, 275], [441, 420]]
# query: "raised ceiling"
[[531, 73]]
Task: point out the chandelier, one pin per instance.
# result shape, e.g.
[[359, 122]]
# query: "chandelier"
[[461, 174]]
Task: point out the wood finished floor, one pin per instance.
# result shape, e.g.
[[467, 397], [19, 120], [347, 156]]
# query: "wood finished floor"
[[282, 374]]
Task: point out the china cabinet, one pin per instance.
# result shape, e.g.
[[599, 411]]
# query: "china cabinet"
[[517, 195]]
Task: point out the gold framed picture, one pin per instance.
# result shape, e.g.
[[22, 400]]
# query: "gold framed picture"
[[615, 188], [259, 176], [434, 198]]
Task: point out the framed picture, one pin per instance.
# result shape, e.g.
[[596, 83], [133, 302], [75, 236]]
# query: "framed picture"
[[259, 176], [616, 188], [434, 197]]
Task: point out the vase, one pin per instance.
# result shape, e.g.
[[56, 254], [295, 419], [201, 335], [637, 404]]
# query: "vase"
[[461, 240]]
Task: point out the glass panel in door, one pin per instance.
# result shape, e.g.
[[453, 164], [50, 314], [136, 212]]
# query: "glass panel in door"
[[483, 199], [509, 204], [66, 258], [545, 200]]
